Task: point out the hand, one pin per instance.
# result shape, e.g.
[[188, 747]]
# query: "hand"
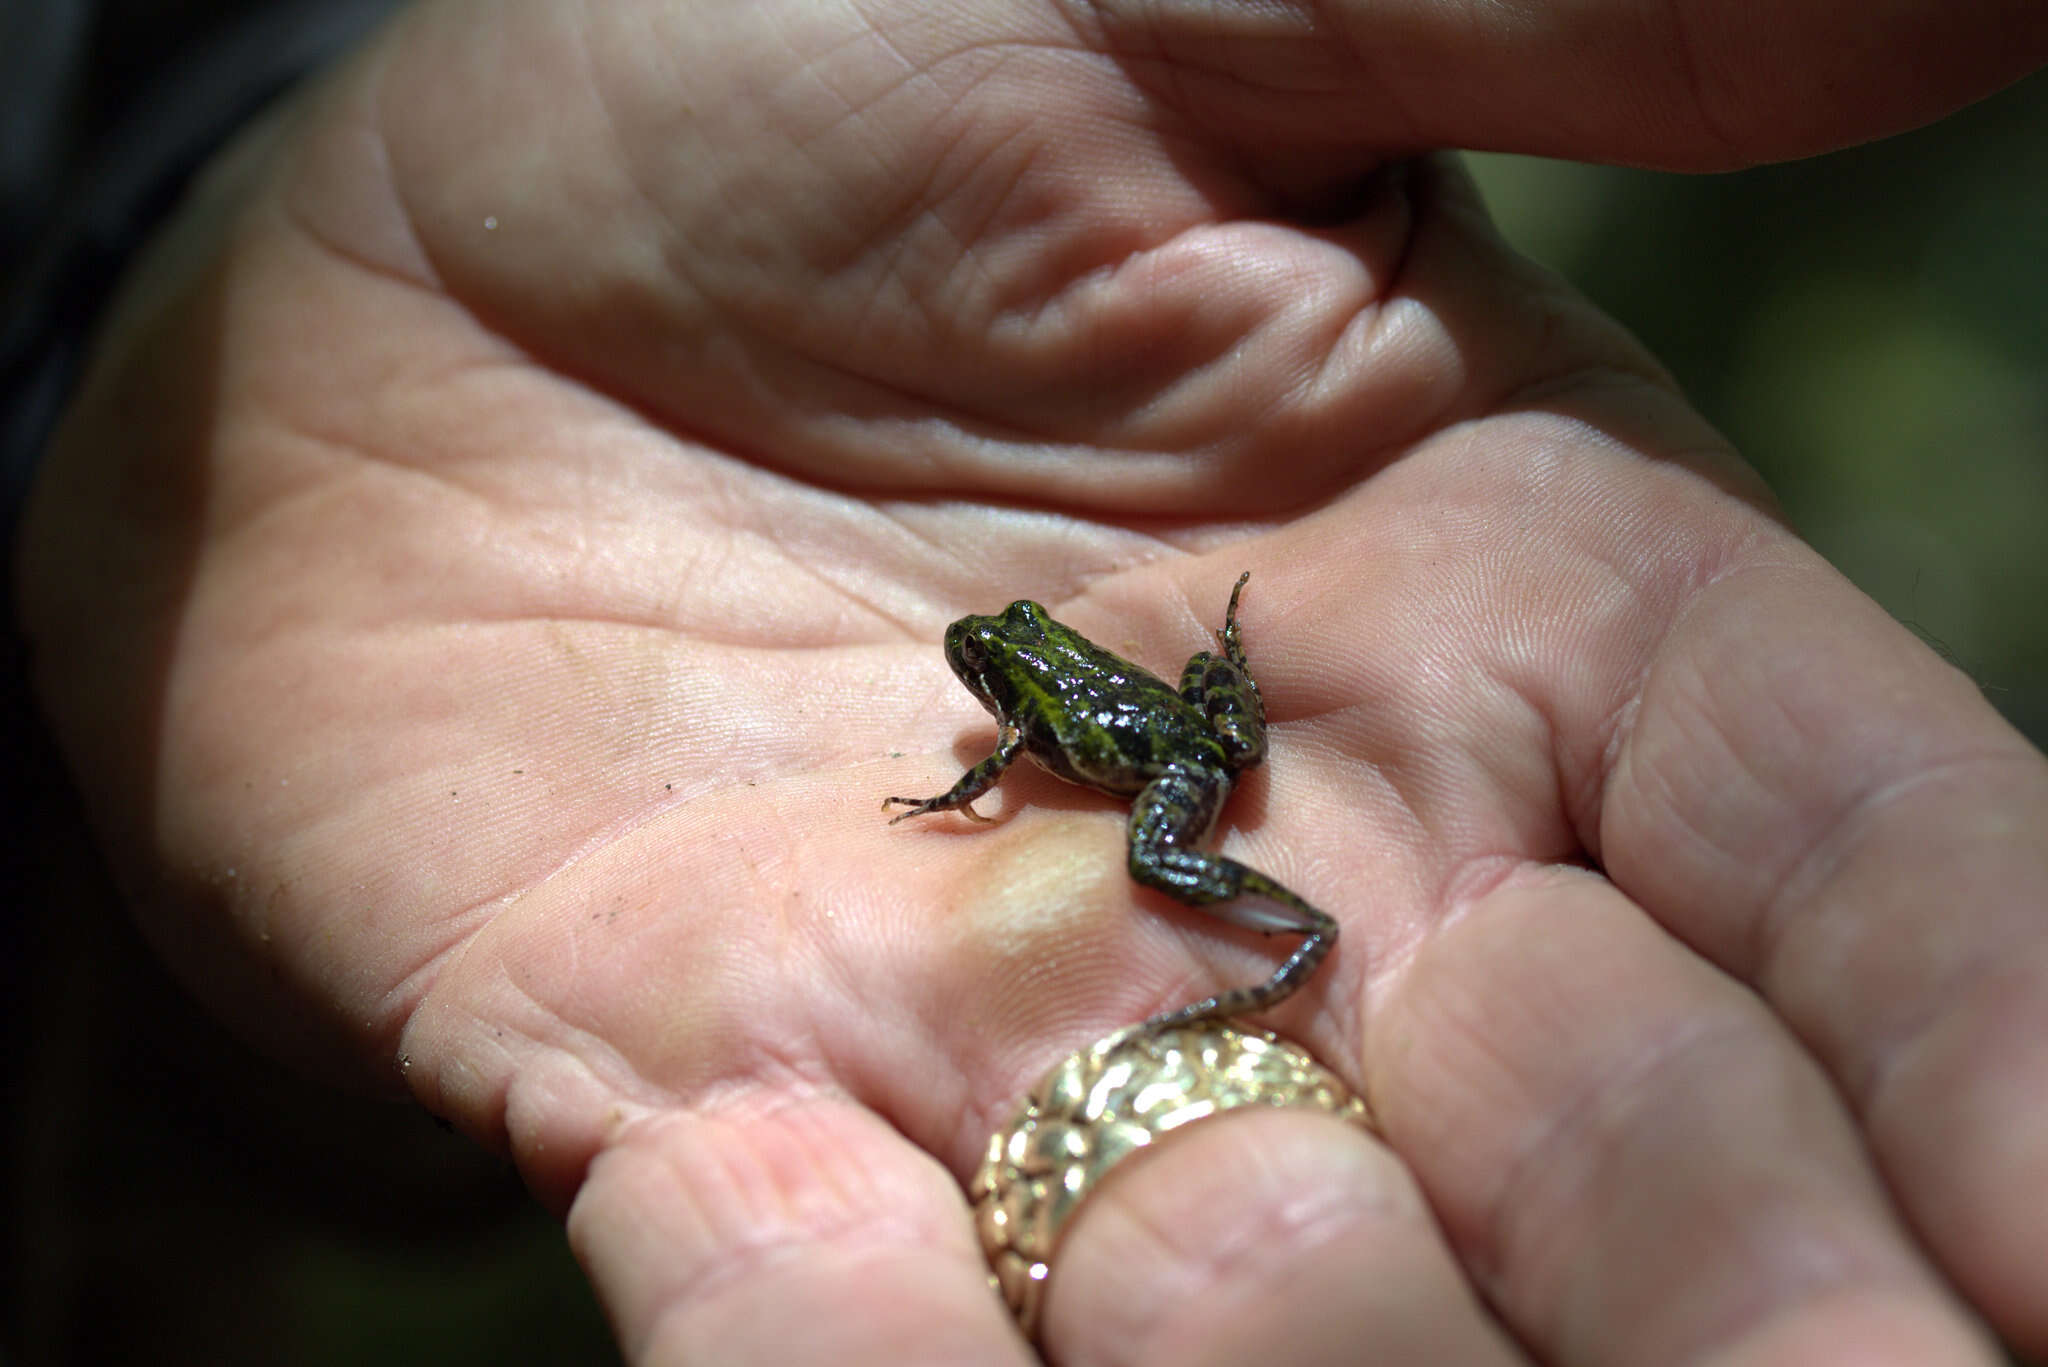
[[497, 566]]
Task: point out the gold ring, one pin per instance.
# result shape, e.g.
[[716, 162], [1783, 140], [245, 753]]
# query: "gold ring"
[[1104, 1103]]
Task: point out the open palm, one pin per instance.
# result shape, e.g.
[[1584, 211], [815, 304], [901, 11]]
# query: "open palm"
[[513, 553]]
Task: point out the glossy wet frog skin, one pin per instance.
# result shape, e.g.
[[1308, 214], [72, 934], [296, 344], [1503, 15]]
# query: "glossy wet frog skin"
[[1096, 719]]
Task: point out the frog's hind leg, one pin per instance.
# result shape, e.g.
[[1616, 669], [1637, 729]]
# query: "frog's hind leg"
[[1174, 812]]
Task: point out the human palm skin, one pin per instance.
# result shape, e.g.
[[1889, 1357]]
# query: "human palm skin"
[[496, 566]]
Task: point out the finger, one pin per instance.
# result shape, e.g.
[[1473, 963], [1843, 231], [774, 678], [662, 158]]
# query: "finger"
[[1689, 87], [1633, 1159], [1816, 801], [783, 1229], [1263, 1236]]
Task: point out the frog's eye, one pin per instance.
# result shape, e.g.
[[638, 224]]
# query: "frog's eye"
[[971, 653]]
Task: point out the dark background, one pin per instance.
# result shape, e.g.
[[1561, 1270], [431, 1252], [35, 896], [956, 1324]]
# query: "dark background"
[[1870, 327]]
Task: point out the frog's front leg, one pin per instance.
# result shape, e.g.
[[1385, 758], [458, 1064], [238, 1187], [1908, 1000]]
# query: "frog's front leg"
[[971, 785], [1172, 814]]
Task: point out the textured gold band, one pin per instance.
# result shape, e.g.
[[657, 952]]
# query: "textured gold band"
[[1102, 1104]]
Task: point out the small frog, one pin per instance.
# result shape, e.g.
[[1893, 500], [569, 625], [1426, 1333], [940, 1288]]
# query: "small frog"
[[1095, 719]]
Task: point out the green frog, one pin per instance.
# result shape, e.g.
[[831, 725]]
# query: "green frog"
[[1098, 720]]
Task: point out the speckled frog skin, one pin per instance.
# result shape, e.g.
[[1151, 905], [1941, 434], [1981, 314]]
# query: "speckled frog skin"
[[1096, 719]]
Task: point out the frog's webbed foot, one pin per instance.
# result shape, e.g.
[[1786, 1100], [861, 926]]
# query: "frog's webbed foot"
[[920, 806]]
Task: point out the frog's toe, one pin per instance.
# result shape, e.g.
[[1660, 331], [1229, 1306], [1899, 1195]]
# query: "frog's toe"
[[919, 806]]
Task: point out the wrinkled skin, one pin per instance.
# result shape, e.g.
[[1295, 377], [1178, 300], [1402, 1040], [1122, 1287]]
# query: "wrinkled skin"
[[495, 563]]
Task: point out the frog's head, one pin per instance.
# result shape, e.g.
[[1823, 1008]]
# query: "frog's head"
[[992, 654]]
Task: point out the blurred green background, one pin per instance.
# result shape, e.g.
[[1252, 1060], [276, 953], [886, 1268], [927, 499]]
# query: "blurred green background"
[[1871, 328]]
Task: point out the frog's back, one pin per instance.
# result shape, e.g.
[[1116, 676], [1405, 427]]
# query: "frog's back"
[[1119, 731]]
